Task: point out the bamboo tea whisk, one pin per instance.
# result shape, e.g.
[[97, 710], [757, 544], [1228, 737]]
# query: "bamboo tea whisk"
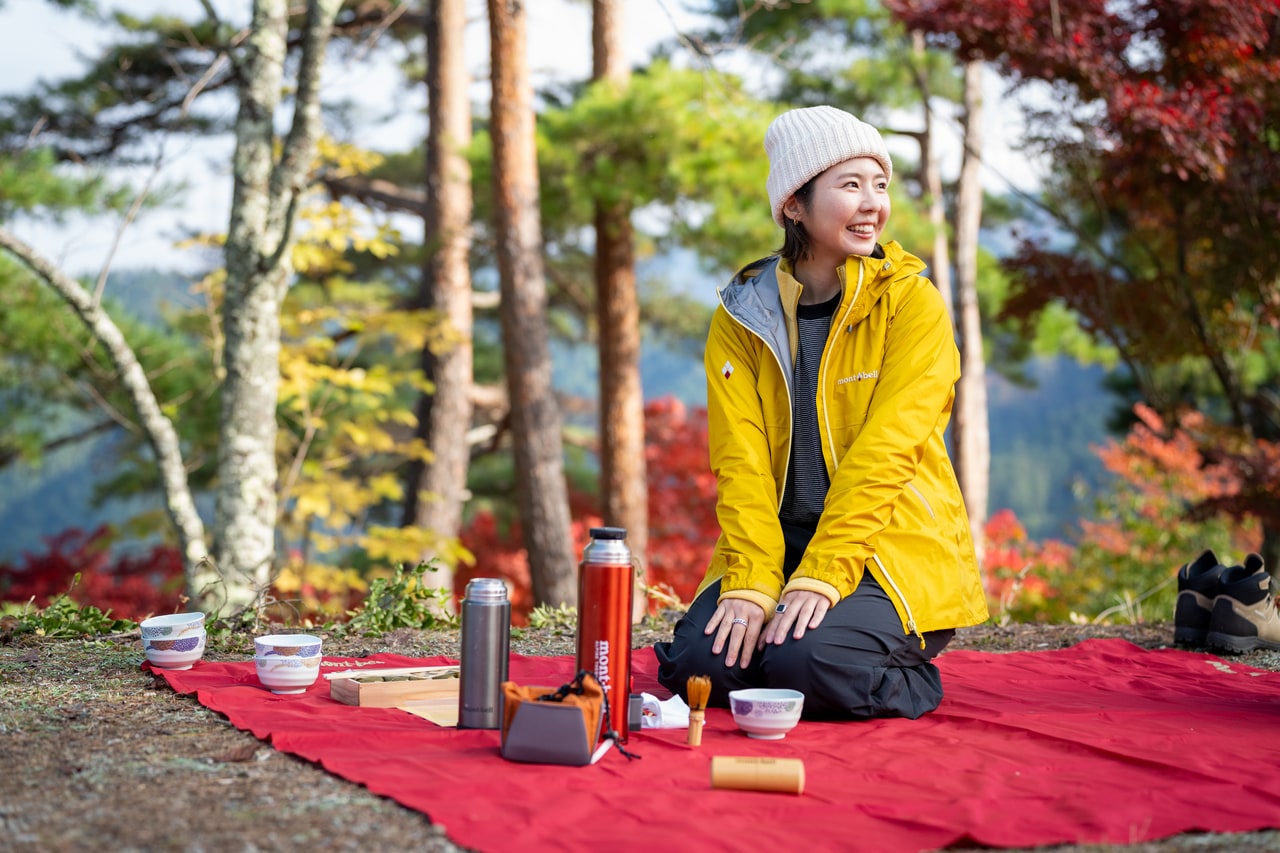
[[699, 690]]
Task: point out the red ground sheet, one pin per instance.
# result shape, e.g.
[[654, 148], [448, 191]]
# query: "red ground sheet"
[[1103, 742]]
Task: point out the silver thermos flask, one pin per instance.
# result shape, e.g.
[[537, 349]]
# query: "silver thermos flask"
[[486, 651]]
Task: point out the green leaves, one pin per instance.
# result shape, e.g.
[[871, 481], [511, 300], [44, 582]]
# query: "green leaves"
[[403, 600], [685, 145], [63, 618], [30, 184]]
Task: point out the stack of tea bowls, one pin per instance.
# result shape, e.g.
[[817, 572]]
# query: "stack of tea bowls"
[[174, 640], [287, 663]]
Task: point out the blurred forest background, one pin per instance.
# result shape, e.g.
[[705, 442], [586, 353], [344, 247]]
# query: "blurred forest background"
[[461, 351]]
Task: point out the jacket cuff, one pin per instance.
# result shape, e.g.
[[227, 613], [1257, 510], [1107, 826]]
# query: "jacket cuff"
[[758, 598], [805, 584]]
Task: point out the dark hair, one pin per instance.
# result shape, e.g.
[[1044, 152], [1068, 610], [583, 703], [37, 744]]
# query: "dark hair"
[[795, 240]]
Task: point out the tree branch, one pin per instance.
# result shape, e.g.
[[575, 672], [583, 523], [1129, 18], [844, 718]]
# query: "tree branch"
[[377, 193], [159, 429]]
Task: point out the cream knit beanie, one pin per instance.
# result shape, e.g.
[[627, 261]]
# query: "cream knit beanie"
[[806, 142]]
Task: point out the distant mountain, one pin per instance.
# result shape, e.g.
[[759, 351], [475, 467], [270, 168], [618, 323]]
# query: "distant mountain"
[[1040, 437], [1041, 440]]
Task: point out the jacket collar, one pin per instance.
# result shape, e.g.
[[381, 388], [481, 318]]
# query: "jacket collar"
[[771, 286]]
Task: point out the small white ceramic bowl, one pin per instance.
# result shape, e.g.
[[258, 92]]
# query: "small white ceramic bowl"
[[172, 625], [178, 653], [286, 674], [766, 713], [287, 645]]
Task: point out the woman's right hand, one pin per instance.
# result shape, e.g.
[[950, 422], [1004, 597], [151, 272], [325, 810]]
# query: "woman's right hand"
[[737, 624]]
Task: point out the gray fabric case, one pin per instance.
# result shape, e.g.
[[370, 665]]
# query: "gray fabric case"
[[549, 733]]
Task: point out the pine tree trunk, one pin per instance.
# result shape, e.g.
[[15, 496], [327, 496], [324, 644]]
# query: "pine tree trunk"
[[624, 487], [260, 239], [971, 432], [438, 488], [931, 180], [541, 491]]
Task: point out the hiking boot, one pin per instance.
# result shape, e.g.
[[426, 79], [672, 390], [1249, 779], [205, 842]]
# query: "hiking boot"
[[1244, 613], [1198, 586]]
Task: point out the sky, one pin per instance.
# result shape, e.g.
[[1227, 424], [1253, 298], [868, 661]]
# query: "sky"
[[37, 41]]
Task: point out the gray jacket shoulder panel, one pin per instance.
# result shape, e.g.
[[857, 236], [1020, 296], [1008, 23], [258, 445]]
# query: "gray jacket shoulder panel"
[[751, 297]]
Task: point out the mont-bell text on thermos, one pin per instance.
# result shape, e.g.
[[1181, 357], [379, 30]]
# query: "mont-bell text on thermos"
[[606, 590], [486, 651]]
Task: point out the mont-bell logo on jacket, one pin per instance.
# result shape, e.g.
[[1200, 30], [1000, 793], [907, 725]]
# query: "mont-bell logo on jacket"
[[727, 370]]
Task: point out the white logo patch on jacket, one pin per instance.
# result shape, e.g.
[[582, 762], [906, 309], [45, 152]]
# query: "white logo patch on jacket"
[[727, 370], [858, 377]]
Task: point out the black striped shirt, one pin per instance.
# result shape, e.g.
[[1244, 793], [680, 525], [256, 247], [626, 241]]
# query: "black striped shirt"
[[807, 480]]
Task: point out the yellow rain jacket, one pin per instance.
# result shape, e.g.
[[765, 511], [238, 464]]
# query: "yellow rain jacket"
[[886, 385]]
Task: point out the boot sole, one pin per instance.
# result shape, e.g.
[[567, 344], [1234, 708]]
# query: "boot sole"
[[1232, 643]]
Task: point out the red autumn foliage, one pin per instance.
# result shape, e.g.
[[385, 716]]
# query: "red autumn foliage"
[[1019, 571], [682, 497], [1173, 484], [499, 552], [682, 522], [130, 587], [1178, 80]]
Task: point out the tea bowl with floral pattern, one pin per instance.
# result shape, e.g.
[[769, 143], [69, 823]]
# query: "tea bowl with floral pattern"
[[766, 713], [287, 674]]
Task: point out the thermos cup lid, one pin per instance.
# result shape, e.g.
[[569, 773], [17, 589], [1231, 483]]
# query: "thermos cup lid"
[[608, 533], [486, 590]]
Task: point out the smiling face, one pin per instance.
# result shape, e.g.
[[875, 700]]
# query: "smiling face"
[[846, 212]]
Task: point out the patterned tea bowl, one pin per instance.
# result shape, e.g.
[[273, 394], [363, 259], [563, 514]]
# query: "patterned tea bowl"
[[287, 673], [172, 626], [287, 645], [766, 713], [175, 652]]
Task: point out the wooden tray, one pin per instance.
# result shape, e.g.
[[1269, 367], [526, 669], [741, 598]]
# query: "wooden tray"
[[371, 688]]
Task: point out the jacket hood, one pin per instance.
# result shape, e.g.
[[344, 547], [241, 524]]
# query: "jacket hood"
[[757, 295]]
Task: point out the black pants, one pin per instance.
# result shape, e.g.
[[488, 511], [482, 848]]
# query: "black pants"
[[857, 664]]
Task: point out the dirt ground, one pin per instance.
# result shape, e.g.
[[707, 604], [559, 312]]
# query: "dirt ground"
[[97, 754]]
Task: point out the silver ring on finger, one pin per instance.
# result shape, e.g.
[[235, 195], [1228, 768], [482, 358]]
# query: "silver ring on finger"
[[742, 622]]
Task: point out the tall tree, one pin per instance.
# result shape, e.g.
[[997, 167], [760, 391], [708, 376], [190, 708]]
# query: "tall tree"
[[931, 174], [438, 488], [624, 494], [269, 178], [1161, 127], [971, 433], [541, 492]]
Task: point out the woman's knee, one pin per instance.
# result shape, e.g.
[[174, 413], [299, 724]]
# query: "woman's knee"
[[849, 682]]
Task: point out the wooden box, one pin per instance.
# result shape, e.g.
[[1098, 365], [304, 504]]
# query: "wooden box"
[[389, 688]]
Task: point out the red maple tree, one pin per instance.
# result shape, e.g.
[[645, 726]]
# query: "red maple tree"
[[1160, 119]]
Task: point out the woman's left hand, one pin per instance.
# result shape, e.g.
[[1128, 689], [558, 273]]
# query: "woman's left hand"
[[804, 610]]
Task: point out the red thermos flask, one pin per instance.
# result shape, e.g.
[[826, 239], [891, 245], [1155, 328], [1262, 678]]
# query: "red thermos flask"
[[606, 589]]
